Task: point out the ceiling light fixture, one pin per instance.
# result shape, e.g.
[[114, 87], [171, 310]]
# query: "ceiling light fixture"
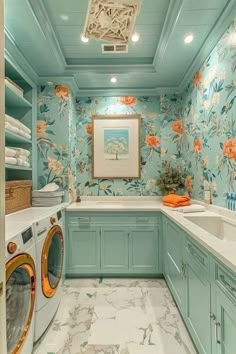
[[135, 37], [188, 38], [114, 80], [83, 38]]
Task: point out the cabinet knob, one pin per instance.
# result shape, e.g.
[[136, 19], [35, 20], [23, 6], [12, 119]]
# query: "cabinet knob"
[[12, 247], [52, 220]]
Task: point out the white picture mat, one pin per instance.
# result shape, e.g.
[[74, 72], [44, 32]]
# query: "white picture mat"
[[129, 168]]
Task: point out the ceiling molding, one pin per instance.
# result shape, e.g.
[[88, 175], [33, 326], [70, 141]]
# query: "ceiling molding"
[[214, 36], [126, 92], [42, 19], [171, 19], [109, 69], [15, 57], [60, 80]]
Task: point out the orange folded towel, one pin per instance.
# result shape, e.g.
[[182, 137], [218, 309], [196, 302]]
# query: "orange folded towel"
[[175, 200]]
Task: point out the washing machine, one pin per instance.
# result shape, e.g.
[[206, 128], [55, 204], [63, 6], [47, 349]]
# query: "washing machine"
[[49, 242], [20, 254]]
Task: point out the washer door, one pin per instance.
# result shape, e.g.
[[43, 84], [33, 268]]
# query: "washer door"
[[52, 260], [20, 300]]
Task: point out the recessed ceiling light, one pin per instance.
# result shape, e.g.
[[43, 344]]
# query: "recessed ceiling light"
[[64, 17], [83, 38], [135, 37], [114, 80], [188, 38]]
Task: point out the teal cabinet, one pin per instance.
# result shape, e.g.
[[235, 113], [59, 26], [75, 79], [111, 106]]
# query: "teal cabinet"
[[114, 249], [174, 266], [83, 250], [143, 249], [198, 304]]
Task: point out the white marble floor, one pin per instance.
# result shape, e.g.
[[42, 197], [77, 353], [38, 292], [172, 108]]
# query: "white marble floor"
[[116, 316]]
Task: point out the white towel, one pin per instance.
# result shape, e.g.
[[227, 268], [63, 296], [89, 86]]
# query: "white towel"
[[190, 208], [22, 133], [23, 157], [26, 163], [16, 123], [11, 128], [10, 160], [10, 152], [21, 151]]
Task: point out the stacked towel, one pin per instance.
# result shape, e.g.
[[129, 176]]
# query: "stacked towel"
[[175, 200], [49, 195], [17, 156], [17, 127]]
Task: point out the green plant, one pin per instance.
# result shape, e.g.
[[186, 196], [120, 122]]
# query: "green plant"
[[171, 178]]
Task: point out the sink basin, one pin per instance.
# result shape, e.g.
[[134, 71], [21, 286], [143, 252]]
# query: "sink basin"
[[218, 226]]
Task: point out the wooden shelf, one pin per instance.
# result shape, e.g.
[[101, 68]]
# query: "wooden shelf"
[[16, 167], [14, 138], [14, 99]]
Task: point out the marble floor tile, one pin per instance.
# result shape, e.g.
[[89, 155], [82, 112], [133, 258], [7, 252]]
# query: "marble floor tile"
[[116, 316]]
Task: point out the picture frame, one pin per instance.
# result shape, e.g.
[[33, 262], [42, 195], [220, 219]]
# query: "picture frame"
[[116, 146]]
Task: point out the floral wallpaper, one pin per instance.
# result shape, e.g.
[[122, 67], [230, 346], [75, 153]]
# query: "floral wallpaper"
[[55, 142], [208, 138]]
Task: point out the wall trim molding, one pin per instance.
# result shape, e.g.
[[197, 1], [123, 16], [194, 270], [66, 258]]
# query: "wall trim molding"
[[223, 22], [171, 19], [110, 69], [126, 92], [41, 17]]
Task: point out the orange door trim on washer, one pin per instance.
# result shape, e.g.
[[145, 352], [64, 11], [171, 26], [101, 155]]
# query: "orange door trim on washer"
[[26, 262], [47, 288]]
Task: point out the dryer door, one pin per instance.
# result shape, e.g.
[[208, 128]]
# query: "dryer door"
[[20, 300], [52, 261]]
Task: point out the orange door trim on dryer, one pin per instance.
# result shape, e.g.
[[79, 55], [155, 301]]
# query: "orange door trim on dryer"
[[26, 262], [47, 288]]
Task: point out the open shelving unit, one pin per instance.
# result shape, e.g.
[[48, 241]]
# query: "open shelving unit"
[[21, 106]]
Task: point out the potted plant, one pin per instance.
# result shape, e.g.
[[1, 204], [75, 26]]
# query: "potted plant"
[[171, 178]]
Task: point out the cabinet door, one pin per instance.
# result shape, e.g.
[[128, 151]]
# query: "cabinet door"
[[114, 249], [83, 250], [143, 249], [198, 307], [224, 326], [174, 267]]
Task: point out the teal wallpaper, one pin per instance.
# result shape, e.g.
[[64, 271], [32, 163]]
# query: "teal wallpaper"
[[208, 141]]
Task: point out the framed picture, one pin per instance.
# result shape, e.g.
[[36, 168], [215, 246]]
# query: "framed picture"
[[116, 146]]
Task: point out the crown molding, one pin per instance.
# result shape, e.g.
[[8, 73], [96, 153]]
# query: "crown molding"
[[222, 23], [12, 52], [60, 80], [109, 69], [42, 19], [171, 19], [126, 92]]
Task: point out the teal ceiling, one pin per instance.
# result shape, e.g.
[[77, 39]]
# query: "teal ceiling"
[[47, 33]]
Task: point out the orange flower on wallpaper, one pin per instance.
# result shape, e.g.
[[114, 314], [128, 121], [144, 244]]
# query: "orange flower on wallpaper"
[[197, 145], [62, 92], [152, 140], [128, 100], [229, 149], [177, 126], [197, 78], [89, 128], [188, 183], [41, 128]]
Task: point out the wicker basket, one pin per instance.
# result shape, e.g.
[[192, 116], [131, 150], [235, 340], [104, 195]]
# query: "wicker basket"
[[17, 195]]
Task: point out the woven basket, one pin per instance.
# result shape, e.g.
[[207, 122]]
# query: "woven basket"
[[17, 195]]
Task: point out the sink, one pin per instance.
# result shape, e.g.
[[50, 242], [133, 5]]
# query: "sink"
[[218, 226]]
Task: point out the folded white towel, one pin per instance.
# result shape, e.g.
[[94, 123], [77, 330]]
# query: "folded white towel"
[[11, 128], [190, 208], [50, 187], [22, 133], [23, 157], [10, 152], [10, 160], [26, 163], [21, 151], [16, 123]]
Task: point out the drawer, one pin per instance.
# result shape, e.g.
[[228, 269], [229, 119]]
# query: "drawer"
[[225, 280], [197, 254], [113, 218]]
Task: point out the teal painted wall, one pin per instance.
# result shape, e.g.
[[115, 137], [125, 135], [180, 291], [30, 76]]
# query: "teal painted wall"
[[208, 142]]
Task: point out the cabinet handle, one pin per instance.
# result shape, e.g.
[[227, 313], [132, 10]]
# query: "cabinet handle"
[[231, 288], [217, 325], [83, 219], [183, 267], [196, 255], [212, 316]]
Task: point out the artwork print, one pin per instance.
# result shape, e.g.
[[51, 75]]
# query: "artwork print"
[[116, 144]]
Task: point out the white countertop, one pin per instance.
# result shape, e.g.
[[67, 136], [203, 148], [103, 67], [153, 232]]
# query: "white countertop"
[[224, 250]]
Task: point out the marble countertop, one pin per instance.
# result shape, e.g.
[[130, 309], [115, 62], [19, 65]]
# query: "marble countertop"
[[224, 250]]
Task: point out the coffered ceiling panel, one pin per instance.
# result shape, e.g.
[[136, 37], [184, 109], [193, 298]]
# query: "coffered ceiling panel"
[[48, 34]]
